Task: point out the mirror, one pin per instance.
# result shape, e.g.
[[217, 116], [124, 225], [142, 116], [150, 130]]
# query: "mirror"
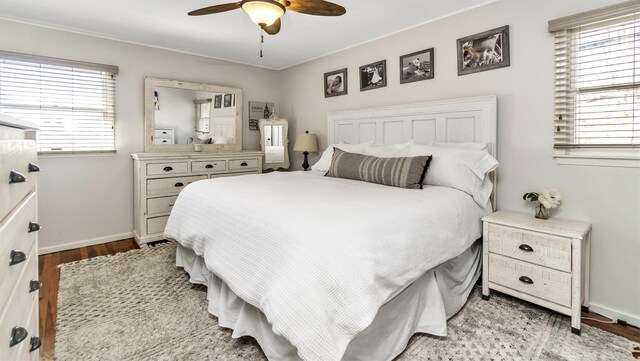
[[183, 116], [274, 139]]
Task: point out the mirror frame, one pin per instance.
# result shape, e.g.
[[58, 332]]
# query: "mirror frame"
[[149, 116], [285, 134]]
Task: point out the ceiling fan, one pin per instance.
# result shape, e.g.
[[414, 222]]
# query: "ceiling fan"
[[267, 13]]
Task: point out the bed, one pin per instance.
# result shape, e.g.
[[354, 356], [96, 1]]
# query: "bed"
[[320, 268]]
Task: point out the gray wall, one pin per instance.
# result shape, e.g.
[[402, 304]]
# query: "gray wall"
[[89, 199], [605, 196]]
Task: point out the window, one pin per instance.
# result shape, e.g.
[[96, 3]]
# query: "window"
[[597, 83], [73, 102]]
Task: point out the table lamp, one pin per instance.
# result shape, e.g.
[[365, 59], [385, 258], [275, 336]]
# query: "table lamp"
[[306, 143]]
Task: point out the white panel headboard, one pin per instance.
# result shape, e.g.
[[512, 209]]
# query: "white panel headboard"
[[454, 121]]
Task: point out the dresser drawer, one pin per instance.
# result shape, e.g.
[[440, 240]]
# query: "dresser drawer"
[[162, 141], [243, 164], [550, 285], [15, 235], [23, 315], [209, 166], [15, 155], [157, 224], [542, 249], [167, 168], [170, 185], [160, 205], [20, 286], [163, 133]]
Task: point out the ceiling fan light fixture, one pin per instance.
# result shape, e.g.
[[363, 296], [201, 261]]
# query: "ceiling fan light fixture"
[[263, 12]]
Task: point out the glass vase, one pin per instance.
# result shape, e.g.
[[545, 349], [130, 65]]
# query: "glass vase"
[[542, 212]]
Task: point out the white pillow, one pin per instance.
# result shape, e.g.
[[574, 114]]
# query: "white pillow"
[[459, 168], [324, 163], [387, 150]]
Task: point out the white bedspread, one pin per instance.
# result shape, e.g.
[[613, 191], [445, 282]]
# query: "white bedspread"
[[317, 255]]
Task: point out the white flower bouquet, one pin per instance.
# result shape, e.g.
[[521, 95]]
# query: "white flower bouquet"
[[548, 199]]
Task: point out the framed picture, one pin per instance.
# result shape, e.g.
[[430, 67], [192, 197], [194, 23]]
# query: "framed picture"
[[485, 51], [259, 110], [227, 100], [335, 83], [217, 101], [416, 66], [373, 76]]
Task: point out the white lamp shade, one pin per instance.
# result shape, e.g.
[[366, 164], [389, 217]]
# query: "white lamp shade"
[[306, 143], [263, 12]]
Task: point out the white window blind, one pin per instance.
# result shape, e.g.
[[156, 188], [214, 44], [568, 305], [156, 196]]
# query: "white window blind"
[[597, 78], [73, 102]]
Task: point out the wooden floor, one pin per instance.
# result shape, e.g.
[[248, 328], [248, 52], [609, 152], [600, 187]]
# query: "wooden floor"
[[50, 277]]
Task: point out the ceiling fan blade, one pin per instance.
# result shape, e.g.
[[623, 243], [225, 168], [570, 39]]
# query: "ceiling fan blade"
[[316, 7], [274, 28], [215, 9]]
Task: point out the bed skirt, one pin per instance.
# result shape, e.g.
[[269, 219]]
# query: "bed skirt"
[[423, 307]]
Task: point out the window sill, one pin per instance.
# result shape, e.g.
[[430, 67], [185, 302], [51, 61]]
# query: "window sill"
[[75, 155], [621, 158]]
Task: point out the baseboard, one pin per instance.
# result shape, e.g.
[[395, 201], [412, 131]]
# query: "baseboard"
[[88, 242], [615, 315]]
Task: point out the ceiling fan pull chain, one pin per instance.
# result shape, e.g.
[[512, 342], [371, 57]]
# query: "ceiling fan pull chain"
[[261, 41]]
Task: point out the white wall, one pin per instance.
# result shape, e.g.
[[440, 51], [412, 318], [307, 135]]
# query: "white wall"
[[90, 199], [607, 197]]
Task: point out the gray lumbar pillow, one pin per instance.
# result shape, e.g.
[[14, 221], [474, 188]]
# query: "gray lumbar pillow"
[[404, 172]]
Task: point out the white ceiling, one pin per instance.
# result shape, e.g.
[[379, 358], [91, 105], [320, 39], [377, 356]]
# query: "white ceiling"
[[231, 35]]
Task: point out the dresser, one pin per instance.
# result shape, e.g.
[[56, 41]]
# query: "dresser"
[[545, 262], [19, 283], [159, 178]]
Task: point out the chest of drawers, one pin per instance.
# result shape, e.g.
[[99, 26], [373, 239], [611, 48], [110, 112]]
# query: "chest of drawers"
[[159, 178], [19, 283], [545, 262]]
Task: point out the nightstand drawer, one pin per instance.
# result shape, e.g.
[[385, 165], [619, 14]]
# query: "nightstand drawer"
[[157, 225], [541, 282], [542, 249]]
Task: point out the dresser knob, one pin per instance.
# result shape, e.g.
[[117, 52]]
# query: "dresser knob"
[[527, 280], [208, 166], [244, 164], [16, 177], [17, 257], [33, 167], [526, 248], [18, 334], [35, 343], [179, 184], [34, 227], [34, 285], [167, 169]]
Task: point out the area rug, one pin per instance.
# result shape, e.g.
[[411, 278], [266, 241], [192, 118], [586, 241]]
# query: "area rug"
[[138, 306]]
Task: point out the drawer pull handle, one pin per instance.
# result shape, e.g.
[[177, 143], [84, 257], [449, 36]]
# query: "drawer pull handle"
[[208, 166], [34, 285], [164, 132], [525, 279], [179, 184], [35, 343], [244, 164], [33, 167], [16, 177], [167, 169], [17, 257], [18, 334], [170, 205], [526, 248], [34, 227]]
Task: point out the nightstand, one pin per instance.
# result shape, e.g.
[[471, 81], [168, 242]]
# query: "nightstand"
[[545, 262]]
